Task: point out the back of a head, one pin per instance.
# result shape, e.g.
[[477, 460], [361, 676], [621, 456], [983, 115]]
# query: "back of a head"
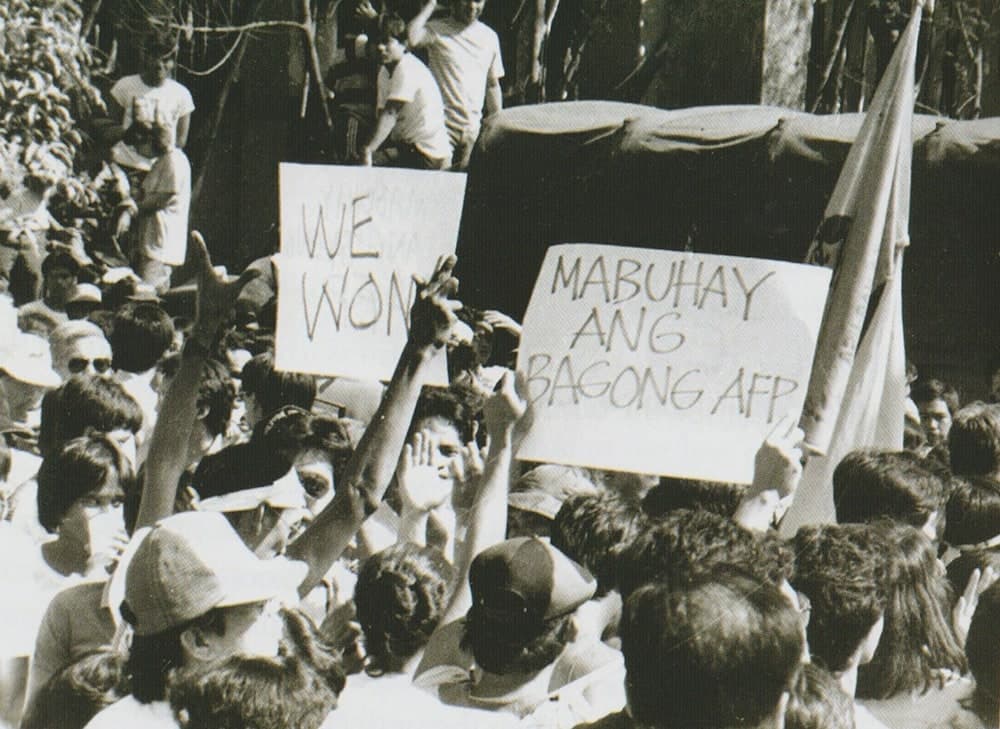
[[74, 695], [870, 485], [838, 567], [687, 544], [272, 389], [142, 334], [818, 702], [594, 529], [716, 653], [686, 493], [974, 440], [919, 638], [400, 596], [972, 516], [242, 691], [82, 403], [982, 648]]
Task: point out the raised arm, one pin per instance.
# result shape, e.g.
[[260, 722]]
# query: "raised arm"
[[165, 464], [370, 469], [416, 30], [487, 519]]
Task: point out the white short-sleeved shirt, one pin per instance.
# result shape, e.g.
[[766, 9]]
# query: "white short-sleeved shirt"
[[128, 712], [164, 104], [463, 59], [163, 233], [421, 119]]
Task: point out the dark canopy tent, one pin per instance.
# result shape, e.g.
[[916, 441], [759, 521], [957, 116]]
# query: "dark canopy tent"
[[749, 181]]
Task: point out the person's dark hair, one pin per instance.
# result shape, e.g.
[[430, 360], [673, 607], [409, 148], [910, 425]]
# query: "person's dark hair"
[[78, 469], [153, 658], [60, 259], [973, 512], [687, 544], [86, 402], [272, 389], [716, 653], [392, 26], [159, 43], [447, 404], [918, 639], [914, 438], [870, 485], [974, 440], [309, 644], [73, 695], [251, 691], [982, 648], [839, 568], [594, 529], [400, 596], [293, 432], [142, 334], [934, 389], [216, 391], [961, 568], [524, 647], [818, 702], [688, 493]]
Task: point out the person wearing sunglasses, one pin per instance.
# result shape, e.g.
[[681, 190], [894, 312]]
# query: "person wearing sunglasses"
[[80, 347]]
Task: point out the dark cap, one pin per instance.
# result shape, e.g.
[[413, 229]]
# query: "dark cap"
[[528, 578]]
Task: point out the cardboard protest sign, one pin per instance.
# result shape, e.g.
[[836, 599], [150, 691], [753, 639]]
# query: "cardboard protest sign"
[[665, 362], [352, 239]]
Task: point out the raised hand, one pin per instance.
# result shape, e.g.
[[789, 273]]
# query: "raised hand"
[[216, 293], [499, 320], [433, 312], [778, 464], [503, 410], [421, 487], [979, 582]]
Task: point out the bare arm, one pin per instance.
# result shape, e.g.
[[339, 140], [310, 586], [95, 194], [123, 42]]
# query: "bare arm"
[[166, 461], [383, 128], [487, 519], [183, 126], [416, 31], [371, 467], [494, 97]]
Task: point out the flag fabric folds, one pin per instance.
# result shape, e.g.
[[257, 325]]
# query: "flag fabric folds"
[[857, 386]]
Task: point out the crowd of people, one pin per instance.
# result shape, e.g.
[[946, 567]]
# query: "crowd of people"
[[194, 539]]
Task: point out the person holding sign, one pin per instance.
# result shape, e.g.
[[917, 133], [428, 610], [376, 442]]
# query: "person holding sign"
[[410, 110]]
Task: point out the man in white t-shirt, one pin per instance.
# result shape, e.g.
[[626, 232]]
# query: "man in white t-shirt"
[[144, 99], [410, 110], [465, 59]]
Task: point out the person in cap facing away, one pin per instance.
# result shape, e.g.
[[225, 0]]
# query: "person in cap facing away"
[[520, 633], [194, 593]]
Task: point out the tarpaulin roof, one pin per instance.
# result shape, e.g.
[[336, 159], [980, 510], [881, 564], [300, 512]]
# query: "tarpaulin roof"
[[741, 180]]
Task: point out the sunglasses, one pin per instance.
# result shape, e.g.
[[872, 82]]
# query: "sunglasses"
[[79, 364]]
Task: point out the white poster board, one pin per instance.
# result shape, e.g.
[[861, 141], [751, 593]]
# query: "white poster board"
[[665, 362], [352, 238]]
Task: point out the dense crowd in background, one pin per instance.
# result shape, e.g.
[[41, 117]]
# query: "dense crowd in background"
[[192, 538]]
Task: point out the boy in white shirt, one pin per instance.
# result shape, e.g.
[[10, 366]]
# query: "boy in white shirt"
[[410, 110]]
